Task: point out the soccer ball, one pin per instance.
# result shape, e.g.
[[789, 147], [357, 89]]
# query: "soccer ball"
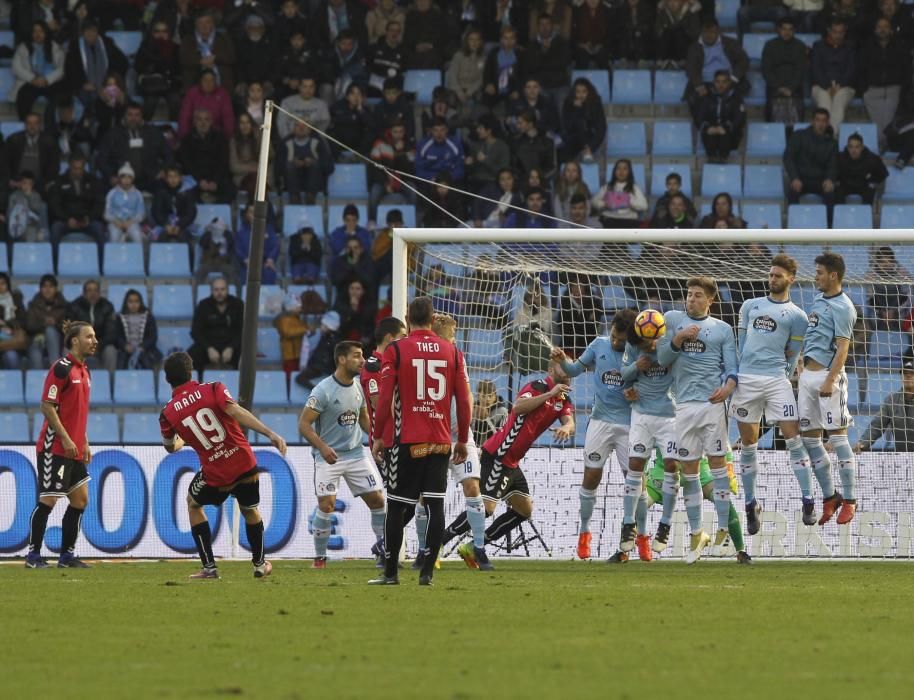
[[650, 324]]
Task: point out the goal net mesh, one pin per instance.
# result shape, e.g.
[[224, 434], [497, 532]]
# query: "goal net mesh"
[[514, 301]]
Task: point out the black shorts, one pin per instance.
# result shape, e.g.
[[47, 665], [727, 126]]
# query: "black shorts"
[[409, 477], [59, 476], [247, 493], [499, 482]]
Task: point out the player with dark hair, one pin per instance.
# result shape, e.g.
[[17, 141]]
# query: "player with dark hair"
[[388, 330], [421, 375], [63, 448], [207, 418]]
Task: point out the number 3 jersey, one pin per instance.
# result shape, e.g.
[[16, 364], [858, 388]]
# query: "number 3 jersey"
[[196, 413]]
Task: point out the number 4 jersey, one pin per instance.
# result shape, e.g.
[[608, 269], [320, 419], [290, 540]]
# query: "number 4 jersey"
[[196, 413]]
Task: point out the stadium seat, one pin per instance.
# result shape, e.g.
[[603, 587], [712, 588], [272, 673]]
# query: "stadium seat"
[[707, 203], [284, 424], [626, 139], [632, 87], [8, 39], [104, 429], [14, 428], [270, 389], [7, 129], [896, 216], [320, 289], [134, 387], [853, 392], [296, 216], [271, 298], [141, 428], [11, 388], [268, 349], [173, 338], [721, 178], [659, 173], [599, 79], [78, 260], [669, 87], [124, 260], [809, 39], [484, 348], [758, 215], [173, 302], [898, 187], [229, 377], [807, 216], [6, 83], [207, 213], [422, 83], [725, 11], [672, 139], [879, 385], [298, 394], [756, 96], [348, 181], [34, 385], [887, 344], [754, 44], [128, 42], [763, 182], [169, 260], [335, 215], [856, 258], [101, 389], [72, 291], [32, 260], [590, 174], [853, 216], [867, 131], [765, 140], [407, 211]]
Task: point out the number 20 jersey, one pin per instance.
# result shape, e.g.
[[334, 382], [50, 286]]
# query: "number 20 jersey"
[[196, 413]]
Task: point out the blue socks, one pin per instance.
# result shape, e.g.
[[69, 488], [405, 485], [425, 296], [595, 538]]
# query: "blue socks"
[[321, 525], [421, 525], [748, 463], [692, 494], [799, 460], [632, 492], [846, 465], [821, 465], [476, 516], [588, 499], [722, 497], [670, 492], [378, 515]]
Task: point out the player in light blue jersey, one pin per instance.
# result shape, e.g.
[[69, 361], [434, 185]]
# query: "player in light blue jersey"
[[333, 421], [607, 431], [770, 335], [700, 350], [822, 390]]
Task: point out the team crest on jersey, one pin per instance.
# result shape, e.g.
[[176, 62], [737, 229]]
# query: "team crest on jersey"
[[347, 419], [813, 320], [612, 378], [373, 386], [327, 488], [804, 422], [639, 448], [683, 452], [52, 392], [765, 324], [742, 412], [694, 347], [594, 456]]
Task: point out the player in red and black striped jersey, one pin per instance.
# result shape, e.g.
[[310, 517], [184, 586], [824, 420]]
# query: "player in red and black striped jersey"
[[420, 376], [389, 329], [63, 448], [538, 405]]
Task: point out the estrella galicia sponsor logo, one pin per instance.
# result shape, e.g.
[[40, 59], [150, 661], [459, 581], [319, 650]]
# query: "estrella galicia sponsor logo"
[[657, 370], [765, 324], [742, 412], [639, 448], [612, 378], [683, 452], [694, 347], [804, 422], [347, 418], [813, 320], [594, 456]]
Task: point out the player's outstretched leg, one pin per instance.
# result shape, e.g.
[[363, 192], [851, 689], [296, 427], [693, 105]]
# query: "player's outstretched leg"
[[848, 472], [588, 498], [474, 554], [253, 527], [203, 538]]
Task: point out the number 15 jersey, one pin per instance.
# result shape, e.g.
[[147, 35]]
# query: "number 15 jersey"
[[196, 413]]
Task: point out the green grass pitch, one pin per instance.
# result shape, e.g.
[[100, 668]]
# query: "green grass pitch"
[[529, 630]]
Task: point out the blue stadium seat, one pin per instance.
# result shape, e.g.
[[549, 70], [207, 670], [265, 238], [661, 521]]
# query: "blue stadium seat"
[[615, 297], [34, 385], [756, 96], [659, 173], [206, 213], [867, 131], [104, 429], [284, 424], [14, 428], [765, 140], [754, 44], [599, 79], [270, 389], [422, 83], [898, 187], [101, 389], [173, 302], [761, 215], [853, 392], [879, 385], [763, 182], [229, 377], [887, 344], [141, 429], [78, 260], [4, 261], [271, 298], [298, 394], [626, 139], [590, 174], [896, 216], [128, 42], [721, 178], [706, 205], [134, 387], [32, 260], [808, 39], [856, 258], [669, 87], [725, 11], [348, 181], [335, 215], [169, 260], [632, 87], [807, 216], [407, 211], [853, 216], [7, 129], [11, 388], [72, 290], [268, 349], [172, 338], [672, 139], [8, 39], [296, 216], [124, 260], [6, 83], [484, 348]]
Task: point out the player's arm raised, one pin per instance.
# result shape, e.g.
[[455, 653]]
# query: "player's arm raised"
[[248, 420], [573, 369], [566, 423], [530, 402], [669, 345], [49, 411], [306, 428]]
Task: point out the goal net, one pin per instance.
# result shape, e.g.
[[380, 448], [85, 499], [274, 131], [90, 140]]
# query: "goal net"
[[518, 293]]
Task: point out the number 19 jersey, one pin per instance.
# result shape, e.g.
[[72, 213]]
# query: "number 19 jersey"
[[196, 413]]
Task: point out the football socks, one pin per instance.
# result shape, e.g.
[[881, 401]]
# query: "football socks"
[[378, 515], [321, 526], [70, 527], [670, 490], [588, 498], [692, 494], [255, 540], [748, 463], [476, 516], [38, 523], [799, 460], [722, 496], [203, 538], [631, 493], [434, 534], [846, 465], [821, 465], [421, 524], [503, 524]]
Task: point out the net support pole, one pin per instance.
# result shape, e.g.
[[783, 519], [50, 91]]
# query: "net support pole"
[[248, 364], [399, 276]]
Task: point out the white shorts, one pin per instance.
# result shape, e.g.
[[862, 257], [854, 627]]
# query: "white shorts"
[[822, 412], [648, 432], [756, 394], [361, 476], [470, 469], [702, 430], [601, 440]]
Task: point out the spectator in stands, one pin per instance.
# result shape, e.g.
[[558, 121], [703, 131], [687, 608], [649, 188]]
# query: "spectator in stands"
[[173, 211], [490, 411], [13, 338], [137, 334], [636, 30], [378, 20], [569, 185], [811, 161], [583, 123], [298, 58], [487, 155], [209, 95], [24, 212], [673, 187], [890, 296], [32, 150], [722, 214], [320, 362], [549, 59], [207, 49], [357, 311], [350, 229], [506, 192], [217, 253], [353, 124], [465, 73], [759, 11], [43, 320], [440, 153], [503, 71], [531, 149], [711, 53], [674, 214], [394, 107], [678, 27], [578, 315], [386, 58], [535, 308], [125, 209], [244, 154], [305, 252], [535, 203], [292, 327], [217, 328], [69, 133], [24, 15], [75, 204], [135, 142], [345, 65], [579, 211], [885, 70], [505, 13], [446, 208], [305, 106], [849, 12], [425, 33], [271, 246], [38, 69], [178, 16], [203, 153], [722, 119], [441, 287], [75, 21], [110, 105], [902, 21], [620, 201], [253, 102], [592, 26], [860, 171], [900, 132], [382, 248], [336, 16], [833, 71], [88, 62], [559, 10], [535, 179], [257, 55], [784, 68], [896, 415], [306, 164], [394, 150], [92, 308], [158, 70]]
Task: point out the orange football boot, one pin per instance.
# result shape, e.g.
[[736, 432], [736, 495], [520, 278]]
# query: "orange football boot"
[[643, 543], [584, 545], [830, 506], [847, 512]]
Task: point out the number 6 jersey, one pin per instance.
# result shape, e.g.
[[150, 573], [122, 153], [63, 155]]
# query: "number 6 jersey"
[[196, 413]]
